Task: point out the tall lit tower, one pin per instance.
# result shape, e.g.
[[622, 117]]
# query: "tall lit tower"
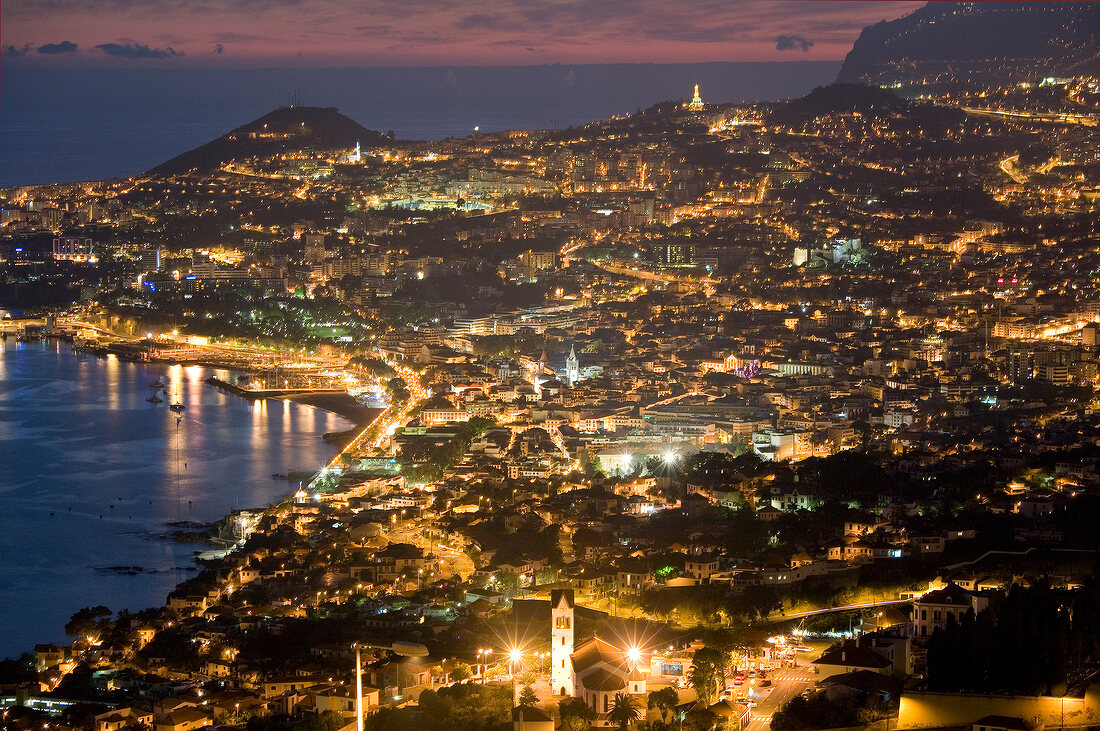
[[696, 101], [572, 368], [561, 641]]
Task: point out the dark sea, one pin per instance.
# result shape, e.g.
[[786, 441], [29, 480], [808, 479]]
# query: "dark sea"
[[91, 476], [64, 125]]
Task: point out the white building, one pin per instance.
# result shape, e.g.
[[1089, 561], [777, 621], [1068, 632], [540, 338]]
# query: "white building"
[[561, 641], [933, 608], [778, 444]]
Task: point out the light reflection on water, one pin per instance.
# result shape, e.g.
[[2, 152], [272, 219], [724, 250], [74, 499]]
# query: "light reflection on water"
[[91, 473]]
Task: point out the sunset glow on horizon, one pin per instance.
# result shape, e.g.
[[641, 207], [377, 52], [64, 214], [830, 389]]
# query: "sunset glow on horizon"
[[328, 33]]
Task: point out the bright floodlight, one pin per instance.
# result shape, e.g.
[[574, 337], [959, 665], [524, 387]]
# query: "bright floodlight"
[[514, 654], [634, 654], [670, 457]]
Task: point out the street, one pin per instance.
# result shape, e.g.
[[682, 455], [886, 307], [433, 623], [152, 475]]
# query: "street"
[[786, 684]]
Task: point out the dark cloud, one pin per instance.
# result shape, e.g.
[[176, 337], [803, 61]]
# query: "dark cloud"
[[137, 50], [416, 38], [509, 43], [219, 48], [372, 30], [62, 47], [483, 21], [40, 7], [791, 43], [230, 37], [15, 51], [688, 32]]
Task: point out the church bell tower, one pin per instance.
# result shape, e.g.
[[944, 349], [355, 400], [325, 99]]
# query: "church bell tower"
[[561, 641]]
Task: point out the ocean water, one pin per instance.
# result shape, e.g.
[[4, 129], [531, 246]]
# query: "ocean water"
[[63, 125], [91, 475]]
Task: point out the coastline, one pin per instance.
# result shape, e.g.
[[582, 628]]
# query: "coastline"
[[139, 471], [340, 404], [335, 402]]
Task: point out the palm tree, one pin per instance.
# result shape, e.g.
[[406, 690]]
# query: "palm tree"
[[664, 700], [624, 710]]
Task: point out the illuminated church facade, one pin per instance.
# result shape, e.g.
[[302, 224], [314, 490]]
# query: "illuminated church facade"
[[596, 670]]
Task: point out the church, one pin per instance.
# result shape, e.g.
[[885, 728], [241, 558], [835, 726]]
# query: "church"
[[595, 671]]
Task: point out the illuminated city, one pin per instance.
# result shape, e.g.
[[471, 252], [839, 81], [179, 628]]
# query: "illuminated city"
[[766, 414]]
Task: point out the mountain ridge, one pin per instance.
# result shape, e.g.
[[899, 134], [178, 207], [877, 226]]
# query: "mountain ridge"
[[868, 100], [1058, 35], [280, 130]]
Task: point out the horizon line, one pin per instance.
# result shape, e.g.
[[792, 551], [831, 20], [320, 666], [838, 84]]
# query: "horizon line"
[[152, 67]]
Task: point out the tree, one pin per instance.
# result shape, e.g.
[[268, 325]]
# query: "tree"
[[388, 719], [699, 719], [761, 602], [88, 622], [82, 715], [664, 700], [576, 715], [465, 707], [460, 672], [17, 670], [707, 665], [589, 465], [508, 583], [527, 696], [326, 721], [624, 710]]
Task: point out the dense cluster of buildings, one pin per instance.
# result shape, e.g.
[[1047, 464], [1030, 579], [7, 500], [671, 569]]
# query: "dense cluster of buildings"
[[698, 365]]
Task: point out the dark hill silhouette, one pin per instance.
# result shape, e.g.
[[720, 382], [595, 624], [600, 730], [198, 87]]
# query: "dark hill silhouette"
[[1057, 35], [870, 101], [286, 128]]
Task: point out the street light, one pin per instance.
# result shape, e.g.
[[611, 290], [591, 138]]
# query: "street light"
[[483, 660], [514, 656]]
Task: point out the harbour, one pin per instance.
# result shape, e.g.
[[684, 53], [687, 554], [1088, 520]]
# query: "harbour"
[[143, 468]]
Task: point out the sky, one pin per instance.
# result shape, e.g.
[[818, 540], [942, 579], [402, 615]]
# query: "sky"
[[373, 33]]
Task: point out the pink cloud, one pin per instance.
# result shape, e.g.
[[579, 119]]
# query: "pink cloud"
[[463, 32]]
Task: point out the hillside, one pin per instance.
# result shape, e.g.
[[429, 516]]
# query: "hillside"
[[1051, 37], [870, 101], [285, 129]]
